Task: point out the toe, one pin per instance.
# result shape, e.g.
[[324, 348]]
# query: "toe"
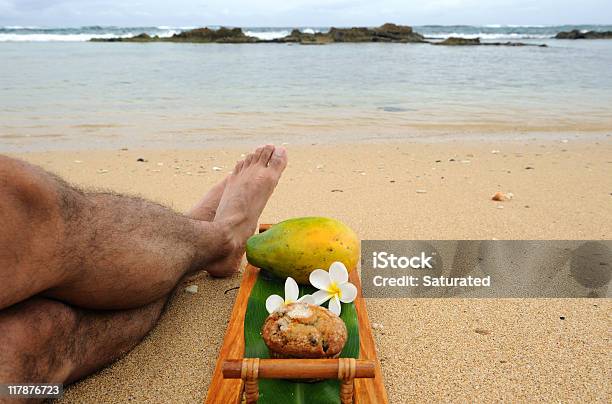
[[265, 155], [249, 159], [255, 155], [278, 161], [258, 152], [238, 166]]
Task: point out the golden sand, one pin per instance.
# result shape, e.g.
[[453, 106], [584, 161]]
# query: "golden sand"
[[431, 350]]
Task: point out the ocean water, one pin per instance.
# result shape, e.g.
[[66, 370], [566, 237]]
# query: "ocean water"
[[59, 92]]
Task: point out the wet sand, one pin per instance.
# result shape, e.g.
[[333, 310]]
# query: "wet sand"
[[431, 350]]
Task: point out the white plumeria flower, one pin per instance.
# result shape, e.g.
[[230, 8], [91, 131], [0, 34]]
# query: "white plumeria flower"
[[333, 286], [292, 291]]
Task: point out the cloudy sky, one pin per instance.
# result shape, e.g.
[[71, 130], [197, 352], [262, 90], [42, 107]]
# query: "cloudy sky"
[[301, 12]]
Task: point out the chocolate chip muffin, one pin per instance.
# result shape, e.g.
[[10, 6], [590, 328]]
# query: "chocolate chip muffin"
[[302, 330]]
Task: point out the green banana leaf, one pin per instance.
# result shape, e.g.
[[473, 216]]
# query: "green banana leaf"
[[276, 391]]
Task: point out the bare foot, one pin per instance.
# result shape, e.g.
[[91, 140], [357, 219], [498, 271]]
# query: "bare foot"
[[247, 191], [206, 208]]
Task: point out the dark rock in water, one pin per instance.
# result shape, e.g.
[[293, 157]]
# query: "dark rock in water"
[[198, 35], [543, 45], [577, 34], [297, 36], [354, 34], [454, 41], [395, 29], [221, 35], [385, 33], [144, 37], [294, 36]]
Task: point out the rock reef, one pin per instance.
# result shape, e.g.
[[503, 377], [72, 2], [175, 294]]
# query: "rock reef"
[[385, 33], [198, 35], [577, 34], [454, 41]]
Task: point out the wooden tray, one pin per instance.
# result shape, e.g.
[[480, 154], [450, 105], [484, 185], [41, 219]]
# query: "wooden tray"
[[229, 391]]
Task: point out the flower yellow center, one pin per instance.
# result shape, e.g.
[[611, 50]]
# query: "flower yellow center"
[[334, 289]]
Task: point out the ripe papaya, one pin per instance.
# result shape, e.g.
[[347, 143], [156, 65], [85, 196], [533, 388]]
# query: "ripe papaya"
[[296, 247]]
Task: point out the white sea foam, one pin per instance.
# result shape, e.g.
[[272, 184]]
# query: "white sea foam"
[[19, 27], [52, 37], [267, 35], [168, 33], [73, 37], [273, 34]]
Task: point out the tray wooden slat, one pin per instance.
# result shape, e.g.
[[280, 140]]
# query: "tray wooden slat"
[[367, 390], [229, 391]]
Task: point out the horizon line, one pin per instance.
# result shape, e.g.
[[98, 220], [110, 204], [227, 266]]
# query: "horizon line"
[[162, 26]]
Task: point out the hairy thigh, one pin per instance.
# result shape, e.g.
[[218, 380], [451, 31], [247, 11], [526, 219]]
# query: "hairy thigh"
[[30, 232], [29, 335]]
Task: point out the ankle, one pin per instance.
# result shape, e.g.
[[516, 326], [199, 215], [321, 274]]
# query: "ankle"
[[217, 240]]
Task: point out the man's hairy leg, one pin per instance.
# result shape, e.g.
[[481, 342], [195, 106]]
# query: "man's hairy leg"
[[43, 340], [95, 250], [46, 341], [106, 251], [132, 252]]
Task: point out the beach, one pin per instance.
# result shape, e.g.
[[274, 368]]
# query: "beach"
[[430, 349], [398, 141]]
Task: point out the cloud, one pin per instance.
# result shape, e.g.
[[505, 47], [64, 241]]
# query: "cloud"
[[7, 7], [300, 12]]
